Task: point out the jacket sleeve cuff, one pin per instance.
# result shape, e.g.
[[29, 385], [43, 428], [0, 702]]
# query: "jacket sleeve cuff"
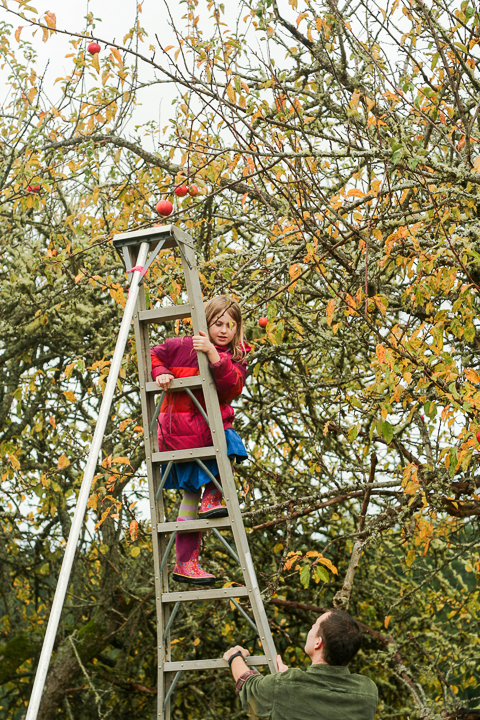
[[160, 370], [243, 678]]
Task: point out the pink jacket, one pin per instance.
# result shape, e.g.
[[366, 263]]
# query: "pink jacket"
[[181, 424]]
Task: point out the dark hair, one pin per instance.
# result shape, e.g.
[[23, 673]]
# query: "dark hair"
[[342, 637]]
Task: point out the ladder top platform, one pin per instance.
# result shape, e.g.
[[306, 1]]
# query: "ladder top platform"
[[170, 235]]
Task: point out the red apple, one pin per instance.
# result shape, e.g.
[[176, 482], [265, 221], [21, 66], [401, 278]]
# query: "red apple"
[[181, 191], [478, 435], [193, 190], [263, 321], [94, 48], [34, 188], [164, 207]]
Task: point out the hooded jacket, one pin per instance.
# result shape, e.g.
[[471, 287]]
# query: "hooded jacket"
[[180, 423]]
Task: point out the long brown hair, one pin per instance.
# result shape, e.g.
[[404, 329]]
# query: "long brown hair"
[[218, 306]]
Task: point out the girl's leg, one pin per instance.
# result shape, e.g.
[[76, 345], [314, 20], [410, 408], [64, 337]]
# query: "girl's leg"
[[187, 545], [211, 506]]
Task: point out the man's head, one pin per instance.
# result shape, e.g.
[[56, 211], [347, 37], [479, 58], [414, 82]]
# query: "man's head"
[[334, 639]]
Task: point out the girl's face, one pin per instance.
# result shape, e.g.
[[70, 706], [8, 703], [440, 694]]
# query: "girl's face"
[[222, 329]]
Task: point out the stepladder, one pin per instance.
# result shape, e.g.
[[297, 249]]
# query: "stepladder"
[[245, 598]]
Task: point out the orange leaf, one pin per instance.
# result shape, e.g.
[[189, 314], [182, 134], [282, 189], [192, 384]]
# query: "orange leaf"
[[63, 462], [121, 461], [356, 193], [386, 622], [330, 311], [18, 31], [472, 376], [380, 353]]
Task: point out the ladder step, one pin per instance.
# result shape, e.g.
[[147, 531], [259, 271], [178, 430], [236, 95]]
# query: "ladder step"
[[210, 664], [192, 383], [214, 594], [158, 315], [194, 525], [184, 455]]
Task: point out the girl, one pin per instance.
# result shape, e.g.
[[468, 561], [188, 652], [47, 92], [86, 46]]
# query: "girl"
[[181, 425]]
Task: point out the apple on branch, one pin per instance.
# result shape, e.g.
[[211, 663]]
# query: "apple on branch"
[[164, 207], [93, 48]]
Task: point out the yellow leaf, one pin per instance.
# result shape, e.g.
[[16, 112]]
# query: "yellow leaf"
[[169, 47], [79, 277], [410, 558], [70, 396], [330, 311], [124, 424], [313, 553], [196, 642], [387, 621], [231, 93], [328, 563], [117, 56], [14, 462], [63, 462], [135, 552], [278, 547], [96, 62]]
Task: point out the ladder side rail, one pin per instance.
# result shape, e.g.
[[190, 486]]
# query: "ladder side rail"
[[157, 509], [81, 506], [224, 465]]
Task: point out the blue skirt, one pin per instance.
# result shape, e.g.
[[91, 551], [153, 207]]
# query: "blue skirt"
[[190, 476]]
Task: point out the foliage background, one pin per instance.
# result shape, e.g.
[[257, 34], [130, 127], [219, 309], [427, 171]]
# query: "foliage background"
[[335, 152]]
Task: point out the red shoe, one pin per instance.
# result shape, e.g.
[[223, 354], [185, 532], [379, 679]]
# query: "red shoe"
[[191, 572], [211, 505]]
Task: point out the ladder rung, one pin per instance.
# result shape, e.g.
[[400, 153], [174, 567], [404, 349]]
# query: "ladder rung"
[[190, 525], [184, 455], [210, 664], [175, 312], [192, 383], [215, 594]]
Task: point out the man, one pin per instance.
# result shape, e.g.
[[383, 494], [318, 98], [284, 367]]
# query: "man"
[[326, 691]]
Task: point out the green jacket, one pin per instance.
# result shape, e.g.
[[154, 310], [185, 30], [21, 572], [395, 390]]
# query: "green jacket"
[[323, 692]]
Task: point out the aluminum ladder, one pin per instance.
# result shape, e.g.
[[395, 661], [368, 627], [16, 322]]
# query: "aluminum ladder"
[[167, 602]]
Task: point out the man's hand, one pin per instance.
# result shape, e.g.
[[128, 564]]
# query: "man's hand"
[[163, 381], [281, 665], [235, 649]]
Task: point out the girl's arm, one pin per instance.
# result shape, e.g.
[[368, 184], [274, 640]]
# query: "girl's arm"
[[159, 357], [229, 377]]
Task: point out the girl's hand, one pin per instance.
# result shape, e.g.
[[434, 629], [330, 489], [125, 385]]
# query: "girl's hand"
[[202, 343], [163, 381]]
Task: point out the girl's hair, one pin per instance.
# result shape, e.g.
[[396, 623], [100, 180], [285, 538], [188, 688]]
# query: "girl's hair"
[[223, 304]]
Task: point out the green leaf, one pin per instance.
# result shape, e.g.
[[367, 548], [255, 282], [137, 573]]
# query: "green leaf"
[[305, 576], [387, 431], [352, 433], [469, 332], [321, 573]]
